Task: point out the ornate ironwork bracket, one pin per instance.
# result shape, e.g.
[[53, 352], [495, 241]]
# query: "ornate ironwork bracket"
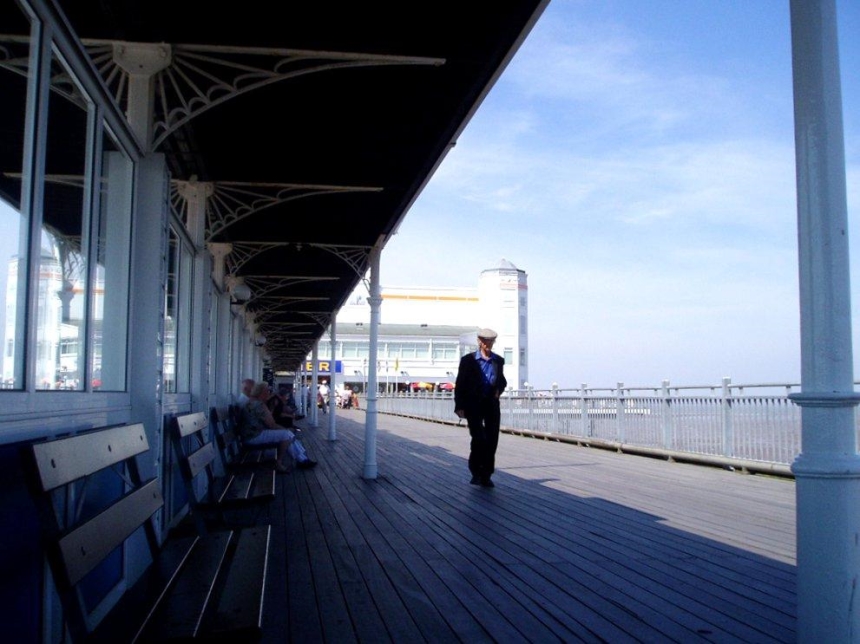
[[356, 257], [199, 77]]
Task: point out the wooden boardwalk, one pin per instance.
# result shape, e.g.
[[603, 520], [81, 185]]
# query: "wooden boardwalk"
[[573, 544]]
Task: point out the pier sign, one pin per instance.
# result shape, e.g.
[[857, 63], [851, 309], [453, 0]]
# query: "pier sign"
[[324, 367]]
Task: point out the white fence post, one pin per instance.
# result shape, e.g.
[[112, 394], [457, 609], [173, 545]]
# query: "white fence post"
[[667, 416], [531, 414], [583, 408], [728, 422], [728, 429]]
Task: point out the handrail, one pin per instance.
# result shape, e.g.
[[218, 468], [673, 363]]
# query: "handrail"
[[749, 426]]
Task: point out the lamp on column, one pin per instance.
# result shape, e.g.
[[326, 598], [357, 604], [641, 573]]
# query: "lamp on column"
[[239, 291]]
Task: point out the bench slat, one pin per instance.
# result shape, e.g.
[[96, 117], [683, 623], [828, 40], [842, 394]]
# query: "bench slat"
[[200, 458], [259, 455], [264, 485], [64, 460], [251, 457], [233, 489], [85, 547], [240, 607], [135, 610], [182, 614], [191, 579], [239, 487], [190, 423]]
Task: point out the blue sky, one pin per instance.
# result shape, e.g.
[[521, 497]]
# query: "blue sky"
[[636, 159]]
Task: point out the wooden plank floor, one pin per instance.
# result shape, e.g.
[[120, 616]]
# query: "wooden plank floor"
[[573, 544]]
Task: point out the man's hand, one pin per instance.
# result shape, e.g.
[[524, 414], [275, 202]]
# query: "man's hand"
[[460, 413]]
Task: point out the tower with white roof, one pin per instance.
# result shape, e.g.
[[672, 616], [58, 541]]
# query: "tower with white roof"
[[503, 298]]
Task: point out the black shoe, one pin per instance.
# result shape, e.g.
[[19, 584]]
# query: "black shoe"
[[475, 481], [487, 483], [306, 465]]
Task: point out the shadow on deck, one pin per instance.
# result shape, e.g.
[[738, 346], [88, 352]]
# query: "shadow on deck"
[[573, 544]]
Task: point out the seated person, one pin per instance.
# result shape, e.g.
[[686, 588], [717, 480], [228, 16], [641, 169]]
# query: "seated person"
[[260, 428], [281, 412], [247, 385]]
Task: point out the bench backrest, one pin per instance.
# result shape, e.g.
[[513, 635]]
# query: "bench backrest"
[[62, 472], [226, 434], [196, 454], [199, 455]]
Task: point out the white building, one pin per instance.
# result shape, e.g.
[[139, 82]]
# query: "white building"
[[424, 331]]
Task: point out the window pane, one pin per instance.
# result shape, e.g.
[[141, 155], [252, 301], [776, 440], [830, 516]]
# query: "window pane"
[[171, 312], [177, 320], [183, 321], [444, 352], [350, 350], [14, 76], [110, 304], [60, 340], [214, 343]]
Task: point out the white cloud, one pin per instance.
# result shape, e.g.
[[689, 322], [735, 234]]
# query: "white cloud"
[[650, 197]]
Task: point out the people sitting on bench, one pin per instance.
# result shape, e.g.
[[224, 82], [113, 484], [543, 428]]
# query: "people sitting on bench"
[[244, 395], [259, 428], [283, 413]]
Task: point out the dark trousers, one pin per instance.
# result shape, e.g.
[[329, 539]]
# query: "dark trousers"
[[484, 430]]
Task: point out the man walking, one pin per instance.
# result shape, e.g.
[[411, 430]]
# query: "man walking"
[[480, 382], [323, 396]]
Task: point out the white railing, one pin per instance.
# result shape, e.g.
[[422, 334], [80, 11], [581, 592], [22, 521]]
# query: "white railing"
[[754, 423]]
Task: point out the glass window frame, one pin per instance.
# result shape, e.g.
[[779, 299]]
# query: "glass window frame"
[[52, 41], [183, 263]]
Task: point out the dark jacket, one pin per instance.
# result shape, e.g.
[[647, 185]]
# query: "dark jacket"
[[468, 390]]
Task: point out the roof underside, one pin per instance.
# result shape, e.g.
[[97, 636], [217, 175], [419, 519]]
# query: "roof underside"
[[328, 120]]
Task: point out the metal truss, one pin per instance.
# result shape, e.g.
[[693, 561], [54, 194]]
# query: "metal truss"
[[233, 201], [199, 77], [323, 319], [356, 257], [15, 56], [262, 285], [178, 202], [265, 315]]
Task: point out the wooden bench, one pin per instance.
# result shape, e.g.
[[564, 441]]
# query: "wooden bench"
[[234, 453], [94, 503], [197, 456]]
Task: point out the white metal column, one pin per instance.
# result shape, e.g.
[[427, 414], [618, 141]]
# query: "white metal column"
[[375, 300], [828, 469], [148, 274], [332, 408], [225, 383], [301, 395], [314, 385], [142, 61]]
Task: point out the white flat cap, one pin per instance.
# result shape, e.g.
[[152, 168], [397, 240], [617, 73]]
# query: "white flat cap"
[[487, 334]]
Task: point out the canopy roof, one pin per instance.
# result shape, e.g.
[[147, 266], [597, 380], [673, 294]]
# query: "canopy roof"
[[316, 125]]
